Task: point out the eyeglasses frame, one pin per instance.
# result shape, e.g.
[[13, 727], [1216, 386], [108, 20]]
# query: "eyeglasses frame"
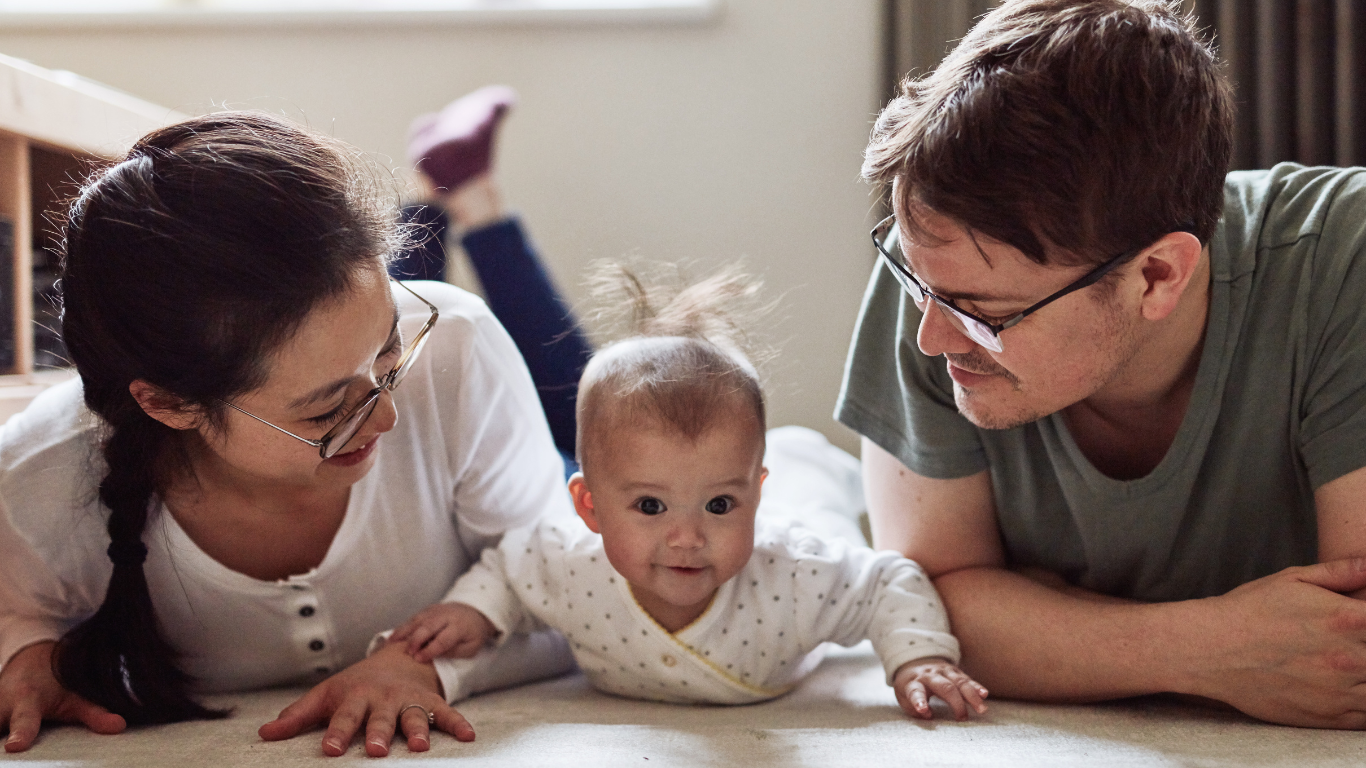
[[903, 273], [385, 382]]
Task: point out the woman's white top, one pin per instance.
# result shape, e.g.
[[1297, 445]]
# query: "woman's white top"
[[470, 457]]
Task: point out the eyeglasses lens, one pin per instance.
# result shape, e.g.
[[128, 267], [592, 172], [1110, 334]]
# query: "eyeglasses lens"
[[977, 332], [969, 326], [346, 430], [407, 365]]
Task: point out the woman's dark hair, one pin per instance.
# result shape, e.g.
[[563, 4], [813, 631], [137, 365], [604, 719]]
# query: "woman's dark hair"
[[185, 266]]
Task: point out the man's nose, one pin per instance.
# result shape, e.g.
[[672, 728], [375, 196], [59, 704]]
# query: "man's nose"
[[937, 334]]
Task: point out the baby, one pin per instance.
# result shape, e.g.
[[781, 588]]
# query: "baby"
[[670, 589]]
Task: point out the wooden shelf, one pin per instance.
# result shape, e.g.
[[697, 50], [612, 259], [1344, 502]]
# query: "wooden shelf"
[[55, 127]]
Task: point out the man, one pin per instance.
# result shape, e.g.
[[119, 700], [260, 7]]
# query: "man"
[[1114, 402]]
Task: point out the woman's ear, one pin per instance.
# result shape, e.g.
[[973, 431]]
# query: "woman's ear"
[[163, 406], [583, 501]]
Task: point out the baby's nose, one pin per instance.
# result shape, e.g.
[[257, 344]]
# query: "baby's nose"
[[686, 537]]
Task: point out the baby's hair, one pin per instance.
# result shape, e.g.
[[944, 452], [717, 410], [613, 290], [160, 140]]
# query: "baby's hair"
[[677, 355]]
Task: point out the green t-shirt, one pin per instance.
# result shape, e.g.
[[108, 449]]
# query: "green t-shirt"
[[1277, 410]]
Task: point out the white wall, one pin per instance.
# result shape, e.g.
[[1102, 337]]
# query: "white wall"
[[736, 137]]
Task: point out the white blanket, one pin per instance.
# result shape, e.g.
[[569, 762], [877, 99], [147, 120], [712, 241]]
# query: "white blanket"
[[842, 715]]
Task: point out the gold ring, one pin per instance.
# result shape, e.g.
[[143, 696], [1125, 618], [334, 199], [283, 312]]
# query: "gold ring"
[[431, 716]]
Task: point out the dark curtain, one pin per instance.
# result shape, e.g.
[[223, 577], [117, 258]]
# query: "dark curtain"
[[1298, 69]]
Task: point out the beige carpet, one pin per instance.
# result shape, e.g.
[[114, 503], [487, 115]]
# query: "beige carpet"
[[842, 716]]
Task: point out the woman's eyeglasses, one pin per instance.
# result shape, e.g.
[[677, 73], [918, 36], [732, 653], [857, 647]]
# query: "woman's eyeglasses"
[[338, 436]]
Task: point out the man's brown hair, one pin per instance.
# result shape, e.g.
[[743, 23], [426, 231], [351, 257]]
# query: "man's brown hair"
[[1072, 131]]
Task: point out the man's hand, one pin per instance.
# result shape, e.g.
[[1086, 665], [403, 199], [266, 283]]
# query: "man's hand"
[[1288, 648], [29, 694], [372, 692], [445, 629]]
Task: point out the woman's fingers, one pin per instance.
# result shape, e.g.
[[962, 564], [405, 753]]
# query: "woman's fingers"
[[343, 726], [78, 709], [379, 731], [454, 723], [413, 721], [24, 721], [306, 712]]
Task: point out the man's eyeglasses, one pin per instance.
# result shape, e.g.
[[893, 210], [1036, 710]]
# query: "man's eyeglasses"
[[337, 437], [982, 331]]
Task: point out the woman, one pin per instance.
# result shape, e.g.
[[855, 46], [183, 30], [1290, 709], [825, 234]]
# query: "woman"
[[233, 495]]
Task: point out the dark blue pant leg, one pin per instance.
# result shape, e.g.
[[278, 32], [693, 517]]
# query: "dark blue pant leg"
[[521, 296], [520, 293]]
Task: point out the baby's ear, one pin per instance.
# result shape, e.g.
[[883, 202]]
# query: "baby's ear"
[[583, 501]]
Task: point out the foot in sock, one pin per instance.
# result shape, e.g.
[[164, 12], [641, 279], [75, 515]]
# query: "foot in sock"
[[455, 145]]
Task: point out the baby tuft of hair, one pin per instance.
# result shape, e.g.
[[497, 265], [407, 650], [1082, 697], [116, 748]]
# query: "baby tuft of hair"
[[679, 355]]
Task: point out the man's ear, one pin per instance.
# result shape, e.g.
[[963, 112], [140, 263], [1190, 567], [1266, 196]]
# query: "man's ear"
[[1168, 266], [583, 501], [163, 406]]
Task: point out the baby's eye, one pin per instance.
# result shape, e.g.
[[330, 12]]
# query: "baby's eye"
[[720, 505], [650, 505]]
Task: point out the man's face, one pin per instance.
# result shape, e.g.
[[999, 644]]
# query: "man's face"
[[1066, 352]]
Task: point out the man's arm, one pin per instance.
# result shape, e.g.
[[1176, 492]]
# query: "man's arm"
[[1341, 506], [1284, 648]]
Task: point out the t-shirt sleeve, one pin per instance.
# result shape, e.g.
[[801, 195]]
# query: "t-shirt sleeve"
[[36, 603], [506, 470], [896, 396], [53, 568], [1333, 404]]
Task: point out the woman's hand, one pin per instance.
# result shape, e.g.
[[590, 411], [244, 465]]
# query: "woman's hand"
[[371, 692], [29, 694]]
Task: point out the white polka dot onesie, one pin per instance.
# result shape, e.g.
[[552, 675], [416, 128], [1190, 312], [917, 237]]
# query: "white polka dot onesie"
[[761, 634]]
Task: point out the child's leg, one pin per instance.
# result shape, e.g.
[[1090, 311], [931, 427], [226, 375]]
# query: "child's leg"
[[521, 295], [454, 151]]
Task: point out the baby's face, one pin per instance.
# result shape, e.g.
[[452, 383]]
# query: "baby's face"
[[676, 515]]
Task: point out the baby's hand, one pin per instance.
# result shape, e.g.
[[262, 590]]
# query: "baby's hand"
[[916, 680], [445, 629]]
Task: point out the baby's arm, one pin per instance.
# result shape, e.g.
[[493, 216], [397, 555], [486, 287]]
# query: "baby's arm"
[[445, 629], [915, 681]]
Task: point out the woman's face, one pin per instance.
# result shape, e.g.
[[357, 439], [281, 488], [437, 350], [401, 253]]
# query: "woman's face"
[[332, 362]]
